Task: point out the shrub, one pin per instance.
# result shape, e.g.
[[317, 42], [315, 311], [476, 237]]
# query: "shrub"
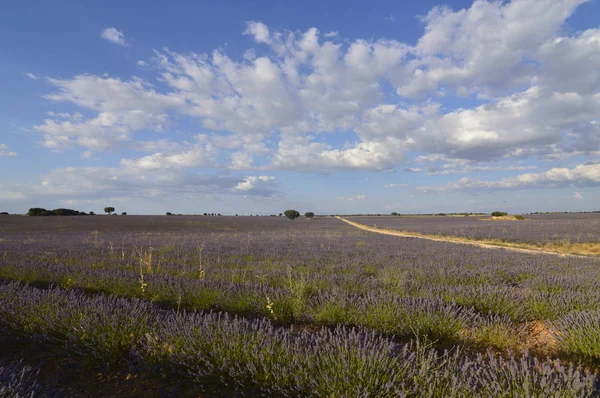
[[519, 217], [124, 213], [39, 211], [499, 213], [169, 213], [66, 212], [292, 214], [109, 210], [309, 214]]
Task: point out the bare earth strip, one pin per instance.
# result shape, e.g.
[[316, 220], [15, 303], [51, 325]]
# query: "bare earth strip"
[[488, 243]]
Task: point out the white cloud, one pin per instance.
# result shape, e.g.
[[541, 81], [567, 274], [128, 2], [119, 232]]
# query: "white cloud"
[[196, 156], [259, 31], [581, 175], [122, 183], [31, 76], [360, 198], [482, 48], [446, 170], [115, 36], [5, 152], [253, 183], [161, 145], [395, 185], [122, 107], [241, 161], [294, 94], [9, 195], [86, 155], [296, 153], [577, 196]]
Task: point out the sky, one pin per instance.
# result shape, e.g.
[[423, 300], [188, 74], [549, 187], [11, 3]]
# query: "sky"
[[255, 107]]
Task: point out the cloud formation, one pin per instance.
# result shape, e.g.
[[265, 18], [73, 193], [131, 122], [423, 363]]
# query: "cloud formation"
[[534, 83], [80, 183], [114, 36], [484, 89], [582, 175], [5, 152]]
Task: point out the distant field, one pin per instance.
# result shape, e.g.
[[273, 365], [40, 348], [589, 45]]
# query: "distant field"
[[265, 306], [536, 229]]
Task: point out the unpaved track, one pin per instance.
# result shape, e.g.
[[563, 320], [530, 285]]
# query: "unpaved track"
[[458, 240]]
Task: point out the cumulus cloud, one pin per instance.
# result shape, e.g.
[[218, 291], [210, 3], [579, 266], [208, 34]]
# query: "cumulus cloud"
[[395, 185], [72, 183], [577, 196], [114, 36], [581, 176], [196, 156], [360, 198], [444, 170], [122, 107], [308, 101], [5, 152], [254, 184]]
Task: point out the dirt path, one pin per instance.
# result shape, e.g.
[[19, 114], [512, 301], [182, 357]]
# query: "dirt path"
[[463, 241]]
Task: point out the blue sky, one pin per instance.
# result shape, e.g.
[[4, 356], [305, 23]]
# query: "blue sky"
[[253, 107]]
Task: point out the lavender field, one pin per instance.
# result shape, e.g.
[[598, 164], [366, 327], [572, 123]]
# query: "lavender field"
[[535, 229], [265, 306]]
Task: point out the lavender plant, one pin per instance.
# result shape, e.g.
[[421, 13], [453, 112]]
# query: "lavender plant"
[[18, 381]]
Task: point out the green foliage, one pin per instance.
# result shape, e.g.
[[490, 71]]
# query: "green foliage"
[[499, 213], [38, 211], [292, 214], [519, 217], [309, 214], [109, 210]]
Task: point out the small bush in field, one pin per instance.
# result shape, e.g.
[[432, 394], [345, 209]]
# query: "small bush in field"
[[292, 214]]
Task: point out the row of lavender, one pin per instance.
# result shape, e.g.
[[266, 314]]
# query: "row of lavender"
[[328, 273], [256, 358], [536, 229], [18, 381]]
